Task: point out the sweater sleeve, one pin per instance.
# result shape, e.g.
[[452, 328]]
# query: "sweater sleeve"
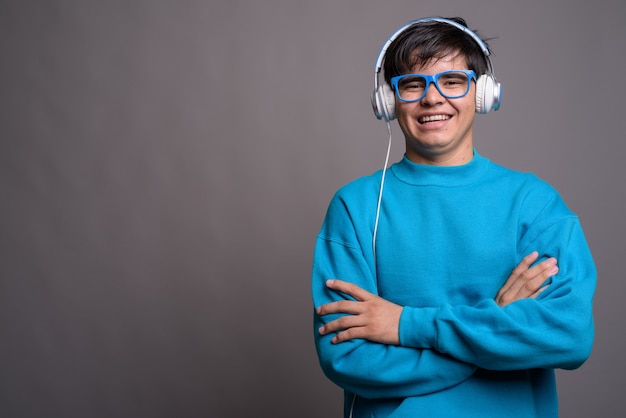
[[369, 369], [555, 330]]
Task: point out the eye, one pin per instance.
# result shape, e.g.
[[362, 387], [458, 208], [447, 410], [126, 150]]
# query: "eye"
[[453, 81], [412, 83]]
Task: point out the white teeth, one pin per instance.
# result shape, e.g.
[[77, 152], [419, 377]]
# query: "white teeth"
[[433, 118]]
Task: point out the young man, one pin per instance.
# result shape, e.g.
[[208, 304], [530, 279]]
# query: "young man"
[[461, 293]]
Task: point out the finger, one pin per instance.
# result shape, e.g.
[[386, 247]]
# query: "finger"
[[519, 269], [534, 278], [538, 292], [528, 285], [538, 282], [543, 268], [349, 289], [526, 262], [530, 280], [349, 334], [341, 306], [341, 324]]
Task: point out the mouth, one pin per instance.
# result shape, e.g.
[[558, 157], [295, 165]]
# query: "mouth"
[[433, 118]]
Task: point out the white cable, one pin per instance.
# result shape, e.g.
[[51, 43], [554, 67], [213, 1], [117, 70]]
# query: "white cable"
[[352, 406], [380, 193]]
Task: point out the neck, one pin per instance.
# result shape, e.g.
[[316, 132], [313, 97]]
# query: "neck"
[[450, 158]]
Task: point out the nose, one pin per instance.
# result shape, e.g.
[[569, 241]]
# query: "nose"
[[432, 95]]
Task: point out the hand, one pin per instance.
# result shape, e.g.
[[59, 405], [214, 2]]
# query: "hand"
[[525, 281], [370, 317]]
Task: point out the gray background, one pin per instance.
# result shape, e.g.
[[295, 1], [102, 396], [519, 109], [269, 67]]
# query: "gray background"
[[166, 165]]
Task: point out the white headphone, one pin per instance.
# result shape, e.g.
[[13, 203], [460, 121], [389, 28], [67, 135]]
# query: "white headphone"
[[488, 90]]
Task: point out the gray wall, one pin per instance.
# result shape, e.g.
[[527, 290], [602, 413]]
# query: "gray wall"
[[165, 167]]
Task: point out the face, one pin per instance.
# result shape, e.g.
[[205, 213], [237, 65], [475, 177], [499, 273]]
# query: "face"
[[437, 130]]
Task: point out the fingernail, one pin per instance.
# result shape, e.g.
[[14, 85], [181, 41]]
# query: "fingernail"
[[321, 329], [554, 270], [329, 282]]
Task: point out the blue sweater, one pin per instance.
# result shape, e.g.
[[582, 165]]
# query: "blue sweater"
[[448, 238]]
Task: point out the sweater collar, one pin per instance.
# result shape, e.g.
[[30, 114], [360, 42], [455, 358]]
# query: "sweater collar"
[[445, 176]]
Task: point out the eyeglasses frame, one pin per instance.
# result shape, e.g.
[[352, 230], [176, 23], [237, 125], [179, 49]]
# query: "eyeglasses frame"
[[432, 79]]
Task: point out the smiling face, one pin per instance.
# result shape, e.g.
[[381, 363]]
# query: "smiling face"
[[437, 130]]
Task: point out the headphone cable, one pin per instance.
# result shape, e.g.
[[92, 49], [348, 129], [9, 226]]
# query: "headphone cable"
[[380, 192]]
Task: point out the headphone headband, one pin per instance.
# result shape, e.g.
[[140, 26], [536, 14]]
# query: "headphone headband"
[[383, 50]]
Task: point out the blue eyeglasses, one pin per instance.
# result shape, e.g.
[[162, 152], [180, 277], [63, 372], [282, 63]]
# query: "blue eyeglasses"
[[451, 84]]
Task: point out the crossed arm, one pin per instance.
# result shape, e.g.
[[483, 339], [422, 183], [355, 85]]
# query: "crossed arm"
[[376, 319]]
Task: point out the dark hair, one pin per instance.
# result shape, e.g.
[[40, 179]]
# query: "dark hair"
[[428, 40]]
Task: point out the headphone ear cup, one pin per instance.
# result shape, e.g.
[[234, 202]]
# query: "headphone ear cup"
[[390, 100], [488, 94], [384, 102]]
